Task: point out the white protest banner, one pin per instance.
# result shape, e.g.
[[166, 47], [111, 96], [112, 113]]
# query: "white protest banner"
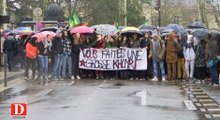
[[113, 59]]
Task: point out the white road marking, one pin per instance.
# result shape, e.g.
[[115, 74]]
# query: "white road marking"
[[189, 104]]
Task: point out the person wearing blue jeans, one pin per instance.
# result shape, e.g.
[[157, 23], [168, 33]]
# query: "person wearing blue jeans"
[[67, 56], [67, 62], [10, 48], [44, 48], [56, 70], [57, 50], [43, 60], [157, 53], [212, 49], [214, 74], [157, 68]]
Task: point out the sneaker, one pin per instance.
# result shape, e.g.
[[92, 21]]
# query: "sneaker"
[[77, 77], [136, 79], [215, 85], [46, 78], [56, 79], [50, 76], [163, 79], [61, 78], [155, 79], [25, 78], [131, 78], [72, 77], [47, 83]]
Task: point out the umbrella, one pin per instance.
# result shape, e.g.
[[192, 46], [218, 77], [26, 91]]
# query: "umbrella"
[[200, 33], [196, 24], [144, 31], [176, 27], [81, 29], [24, 29], [131, 30], [162, 28], [14, 32], [105, 29], [121, 27], [149, 27], [42, 35], [53, 29], [26, 34], [166, 32], [5, 31]]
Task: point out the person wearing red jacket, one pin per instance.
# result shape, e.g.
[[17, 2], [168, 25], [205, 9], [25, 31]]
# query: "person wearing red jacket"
[[31, 55]]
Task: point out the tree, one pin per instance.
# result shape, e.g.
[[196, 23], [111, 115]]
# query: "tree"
[[107, 11]]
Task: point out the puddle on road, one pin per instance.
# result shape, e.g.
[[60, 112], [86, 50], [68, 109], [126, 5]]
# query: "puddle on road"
[[62, 107], [12, 92], [166, 108], [118, 84]]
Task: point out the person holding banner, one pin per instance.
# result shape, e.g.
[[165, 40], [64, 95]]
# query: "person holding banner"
[[146, 43], [109, 43], [157, 53], [75, 55], [99, 44], [134, 42], [123, 43]]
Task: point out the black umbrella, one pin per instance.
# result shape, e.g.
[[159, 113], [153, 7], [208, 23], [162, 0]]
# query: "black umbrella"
[[53, 29], [131, 32], [196, 24], [200, 33], [176, 27], [144, 31], [149, 27]]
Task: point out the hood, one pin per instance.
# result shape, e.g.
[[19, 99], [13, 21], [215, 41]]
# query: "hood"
[[10, 37]]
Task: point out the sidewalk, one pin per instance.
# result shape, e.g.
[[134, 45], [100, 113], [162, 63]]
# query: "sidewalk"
[[16, 73], [212, 91]]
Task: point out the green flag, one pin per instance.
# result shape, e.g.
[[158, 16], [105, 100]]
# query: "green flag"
[[71, 22], [146, 22], [74, 20], [116, 24]]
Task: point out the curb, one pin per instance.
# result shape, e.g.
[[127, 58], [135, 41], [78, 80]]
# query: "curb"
[[18, 75]]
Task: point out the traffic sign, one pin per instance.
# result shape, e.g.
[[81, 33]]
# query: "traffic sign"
[[37, 12]]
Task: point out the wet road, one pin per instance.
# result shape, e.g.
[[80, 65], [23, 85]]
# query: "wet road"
[[99, 100]]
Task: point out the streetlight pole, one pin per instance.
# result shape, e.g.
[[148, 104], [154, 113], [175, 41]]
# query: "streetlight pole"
[[125, 11], [4, 8], [159, 13]]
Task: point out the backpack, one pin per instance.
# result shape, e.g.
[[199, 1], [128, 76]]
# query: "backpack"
[[31, 51]]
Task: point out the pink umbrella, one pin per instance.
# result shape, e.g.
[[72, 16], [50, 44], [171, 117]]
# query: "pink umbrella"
[[82, 29], [42, 35]]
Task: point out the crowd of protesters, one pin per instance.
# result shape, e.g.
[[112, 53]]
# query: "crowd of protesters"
[[170, 57]]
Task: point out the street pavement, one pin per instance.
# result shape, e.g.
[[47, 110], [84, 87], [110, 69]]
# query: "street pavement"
[[111, 100]]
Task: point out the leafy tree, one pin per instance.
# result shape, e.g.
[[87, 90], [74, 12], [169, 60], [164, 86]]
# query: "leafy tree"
[[107, 11]]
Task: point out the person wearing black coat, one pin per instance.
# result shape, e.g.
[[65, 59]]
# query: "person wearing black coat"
[[10, 48], [44, 57], [57, 51]]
